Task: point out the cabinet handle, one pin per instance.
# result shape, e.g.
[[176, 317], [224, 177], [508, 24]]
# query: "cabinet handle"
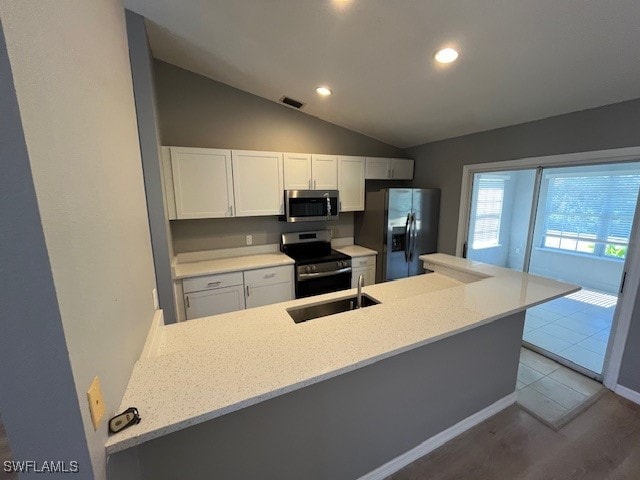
[[213, 284], [388, 173], [187, 297], [340, 205], [271, 275], [247, 290], [314, 184], [309, 184], [363, 262]]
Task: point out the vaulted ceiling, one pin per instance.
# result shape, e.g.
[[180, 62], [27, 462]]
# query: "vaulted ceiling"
[[519, 60]]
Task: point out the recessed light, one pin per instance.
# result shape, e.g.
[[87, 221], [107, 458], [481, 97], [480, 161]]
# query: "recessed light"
[[324, 91], [446, 55]]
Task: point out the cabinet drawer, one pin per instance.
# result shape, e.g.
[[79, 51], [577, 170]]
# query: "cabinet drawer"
[[268, 276], [368, 261], [211, 281]]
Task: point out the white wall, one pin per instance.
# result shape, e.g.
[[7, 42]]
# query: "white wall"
[[73, 82]]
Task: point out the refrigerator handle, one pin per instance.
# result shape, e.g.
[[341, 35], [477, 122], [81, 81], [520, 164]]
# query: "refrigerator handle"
[[407, 237], [414, 234]]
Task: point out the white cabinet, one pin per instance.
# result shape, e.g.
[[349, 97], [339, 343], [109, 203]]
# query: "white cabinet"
[[363, 266], [324, 172], [257, 183], [297, 171], [265, 286], [351, 183], [401, 169], [303, 171], [213, 294], [200, 182], [389, 169]]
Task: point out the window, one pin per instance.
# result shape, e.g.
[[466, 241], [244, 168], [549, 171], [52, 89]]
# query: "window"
[[488, 211], [590, 213]]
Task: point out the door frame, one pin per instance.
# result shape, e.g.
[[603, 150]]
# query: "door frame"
[[626, 299]]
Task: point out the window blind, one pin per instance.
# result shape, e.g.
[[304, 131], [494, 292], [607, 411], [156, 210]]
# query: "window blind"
[[488, 213], [590, 213]]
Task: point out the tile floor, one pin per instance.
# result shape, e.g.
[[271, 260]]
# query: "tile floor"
[[575, 327], [551, 392]]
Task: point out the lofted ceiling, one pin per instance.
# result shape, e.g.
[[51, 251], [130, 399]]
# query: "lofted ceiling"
[[520, 60]]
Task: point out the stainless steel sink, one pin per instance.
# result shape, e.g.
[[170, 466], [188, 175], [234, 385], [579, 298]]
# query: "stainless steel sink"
[[309, 312]]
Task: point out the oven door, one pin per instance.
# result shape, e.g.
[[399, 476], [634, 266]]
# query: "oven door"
[[310, 205], [316, 284]]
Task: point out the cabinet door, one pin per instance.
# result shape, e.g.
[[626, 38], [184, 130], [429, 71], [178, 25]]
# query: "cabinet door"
[[268, 285], [214, 302], [365, 266], [324, 172], [257, 183], [401, 169], [297, 171], [351, 183], [202, 182], [378, 168]]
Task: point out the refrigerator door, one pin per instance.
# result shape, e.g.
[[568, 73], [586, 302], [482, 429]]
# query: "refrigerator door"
[[424, 229], [399, 202]]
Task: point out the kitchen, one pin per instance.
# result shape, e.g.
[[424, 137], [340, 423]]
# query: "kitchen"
[[277, 129]]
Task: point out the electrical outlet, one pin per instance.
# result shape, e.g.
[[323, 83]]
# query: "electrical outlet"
[[156, 302], [96, 403], [249, 239]]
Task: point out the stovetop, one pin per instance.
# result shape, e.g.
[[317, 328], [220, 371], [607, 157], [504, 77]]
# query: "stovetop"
[[311, 258]]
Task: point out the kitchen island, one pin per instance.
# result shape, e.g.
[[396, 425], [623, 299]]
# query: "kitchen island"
[[251, 394]]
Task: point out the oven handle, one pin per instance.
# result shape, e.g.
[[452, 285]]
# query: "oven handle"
[[309, 276]]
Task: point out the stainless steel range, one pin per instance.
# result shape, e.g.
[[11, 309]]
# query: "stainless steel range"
[[319, 268]]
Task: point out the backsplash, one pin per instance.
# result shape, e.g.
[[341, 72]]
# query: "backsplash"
[[215, 233]]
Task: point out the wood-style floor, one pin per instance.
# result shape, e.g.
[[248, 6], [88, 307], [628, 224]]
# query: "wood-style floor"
[[603, 443]]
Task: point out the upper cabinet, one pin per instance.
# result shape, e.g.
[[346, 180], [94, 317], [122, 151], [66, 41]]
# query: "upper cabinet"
[[389, 169], [324, 172], [198, 182], [303, 171], [351, 183], [297, 171], [258, 183]]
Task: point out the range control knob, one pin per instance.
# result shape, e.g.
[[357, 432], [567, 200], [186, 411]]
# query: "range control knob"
[[307, 269], [313, 268]]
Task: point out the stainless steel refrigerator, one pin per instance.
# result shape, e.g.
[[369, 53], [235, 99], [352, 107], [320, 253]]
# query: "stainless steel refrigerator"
[[400, 224]]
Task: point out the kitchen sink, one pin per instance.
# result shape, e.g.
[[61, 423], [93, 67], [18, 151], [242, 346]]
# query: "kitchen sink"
[[317, 310]]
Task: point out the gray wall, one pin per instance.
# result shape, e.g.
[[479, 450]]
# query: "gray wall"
[[149, 134], [439, 164], [210, 234], [347, 426], [195, 111], [37, 392]]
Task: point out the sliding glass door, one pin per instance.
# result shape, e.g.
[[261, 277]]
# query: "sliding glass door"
[[501, 206], [582, 219]]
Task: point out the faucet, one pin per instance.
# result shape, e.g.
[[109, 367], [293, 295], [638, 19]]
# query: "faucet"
[[360, 285]]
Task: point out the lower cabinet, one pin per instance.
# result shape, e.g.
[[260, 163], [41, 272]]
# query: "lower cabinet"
[[214, 302], [268, 285], [229, 292], [363, 266]]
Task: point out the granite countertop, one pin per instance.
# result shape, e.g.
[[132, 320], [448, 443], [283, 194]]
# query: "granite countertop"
[[355, 251], [208, 367], [230, 264]]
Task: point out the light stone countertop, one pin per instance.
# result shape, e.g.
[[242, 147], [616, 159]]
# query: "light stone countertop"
[[208, 367], [230, 264], [355, 251]]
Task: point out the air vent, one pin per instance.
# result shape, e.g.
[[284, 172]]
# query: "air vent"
[[291, 102]]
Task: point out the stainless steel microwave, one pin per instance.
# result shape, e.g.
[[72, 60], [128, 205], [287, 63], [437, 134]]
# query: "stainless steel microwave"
[[311, 205]]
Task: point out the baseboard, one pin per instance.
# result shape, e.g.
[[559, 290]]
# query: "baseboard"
[[440, 439], [627, 393], [154, 336]]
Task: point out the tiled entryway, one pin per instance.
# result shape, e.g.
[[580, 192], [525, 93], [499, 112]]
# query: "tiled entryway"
[[552, 392], [576, 327]]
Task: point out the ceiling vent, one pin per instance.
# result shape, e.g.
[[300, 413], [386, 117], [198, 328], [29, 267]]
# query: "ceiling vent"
[[292, 103]]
